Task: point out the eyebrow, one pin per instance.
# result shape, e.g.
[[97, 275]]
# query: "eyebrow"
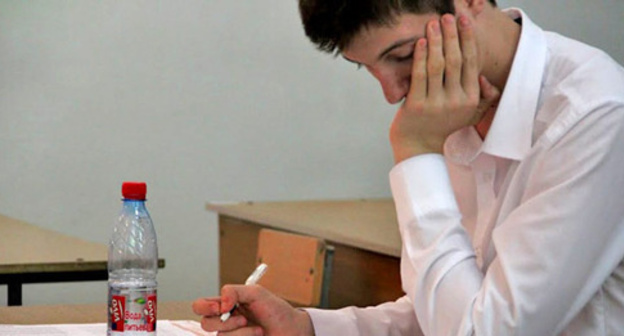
[[393, 46]]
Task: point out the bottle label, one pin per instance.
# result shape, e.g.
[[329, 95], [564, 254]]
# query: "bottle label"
[[116, 311], [132, 311], [150, 312]]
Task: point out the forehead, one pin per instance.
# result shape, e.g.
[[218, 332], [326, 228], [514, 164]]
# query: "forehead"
[[370, 41]]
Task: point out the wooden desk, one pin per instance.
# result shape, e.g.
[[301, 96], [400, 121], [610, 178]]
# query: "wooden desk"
[[88, 313], [30, 254], [364, 233]]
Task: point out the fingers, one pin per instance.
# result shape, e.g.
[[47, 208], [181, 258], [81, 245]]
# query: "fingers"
[[452, 54], [242, 294], [210, 308], [470, 71], [435, 60], [489, 93], [248, 331], [207, 306], [418, 85], [489, 97], [214, 323], [446, 92], [441, 65], [235, 294]]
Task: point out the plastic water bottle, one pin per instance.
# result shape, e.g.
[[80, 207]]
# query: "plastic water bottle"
[[132, 267]]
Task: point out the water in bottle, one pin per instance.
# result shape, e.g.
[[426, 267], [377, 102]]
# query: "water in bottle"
[[132, 267]]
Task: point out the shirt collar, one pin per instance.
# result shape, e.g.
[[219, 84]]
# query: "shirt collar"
[[511, 132]]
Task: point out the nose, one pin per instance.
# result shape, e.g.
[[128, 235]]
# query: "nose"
[[394, 84]]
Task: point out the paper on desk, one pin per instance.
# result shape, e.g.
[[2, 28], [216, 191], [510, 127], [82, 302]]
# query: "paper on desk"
[[165, 328]]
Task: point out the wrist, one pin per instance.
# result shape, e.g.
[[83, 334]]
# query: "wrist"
[[405, 147], [303, 320], [403, 153]]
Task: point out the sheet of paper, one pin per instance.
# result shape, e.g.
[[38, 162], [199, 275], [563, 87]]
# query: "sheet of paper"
[[164, 328]]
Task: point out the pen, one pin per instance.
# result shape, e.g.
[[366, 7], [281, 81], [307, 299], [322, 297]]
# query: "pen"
[[251, 280]]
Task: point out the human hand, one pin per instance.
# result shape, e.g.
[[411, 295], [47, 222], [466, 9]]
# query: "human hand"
[[446, 91], [259, 312]]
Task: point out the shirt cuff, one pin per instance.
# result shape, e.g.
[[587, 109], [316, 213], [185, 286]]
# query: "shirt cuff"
[[421, 186], [330, 323]]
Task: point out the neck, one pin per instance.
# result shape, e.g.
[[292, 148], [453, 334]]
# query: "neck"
[[499, 41]]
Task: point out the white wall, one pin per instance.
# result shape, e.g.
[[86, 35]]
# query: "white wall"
[[205, 100], [596, 22]]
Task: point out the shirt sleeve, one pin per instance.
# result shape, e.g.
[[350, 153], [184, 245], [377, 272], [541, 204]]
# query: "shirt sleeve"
[[388, 319], [435, 244], [554, 250]]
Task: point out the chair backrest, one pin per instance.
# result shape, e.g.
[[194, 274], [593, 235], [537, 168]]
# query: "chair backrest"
[[297, 267]]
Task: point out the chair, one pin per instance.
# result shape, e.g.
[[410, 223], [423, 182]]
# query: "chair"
[[299, 267]]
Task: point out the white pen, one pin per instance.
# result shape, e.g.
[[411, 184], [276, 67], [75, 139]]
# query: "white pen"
[[251, 280]]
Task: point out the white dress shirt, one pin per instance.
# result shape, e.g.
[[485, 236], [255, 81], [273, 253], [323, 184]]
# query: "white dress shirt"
[[522, 233]]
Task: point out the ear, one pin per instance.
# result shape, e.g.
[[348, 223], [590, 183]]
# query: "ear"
[[474, 7]]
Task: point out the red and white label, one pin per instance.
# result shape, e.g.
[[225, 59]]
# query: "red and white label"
[[118, 307], [150, 312]]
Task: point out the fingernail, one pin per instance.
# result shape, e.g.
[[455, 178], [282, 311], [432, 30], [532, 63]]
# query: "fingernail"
[[464, 22], [435, 27], [450, 19]]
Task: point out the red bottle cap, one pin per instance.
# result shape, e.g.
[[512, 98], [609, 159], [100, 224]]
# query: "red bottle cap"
[[134, 190]]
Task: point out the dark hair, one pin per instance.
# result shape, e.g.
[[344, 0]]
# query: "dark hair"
[[332, 24]]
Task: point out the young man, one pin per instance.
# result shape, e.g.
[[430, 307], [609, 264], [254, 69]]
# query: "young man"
[[508, 180]]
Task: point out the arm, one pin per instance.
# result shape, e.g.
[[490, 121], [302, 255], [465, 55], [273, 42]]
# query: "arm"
[[388, 319], [262, 313], [555, 248]]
